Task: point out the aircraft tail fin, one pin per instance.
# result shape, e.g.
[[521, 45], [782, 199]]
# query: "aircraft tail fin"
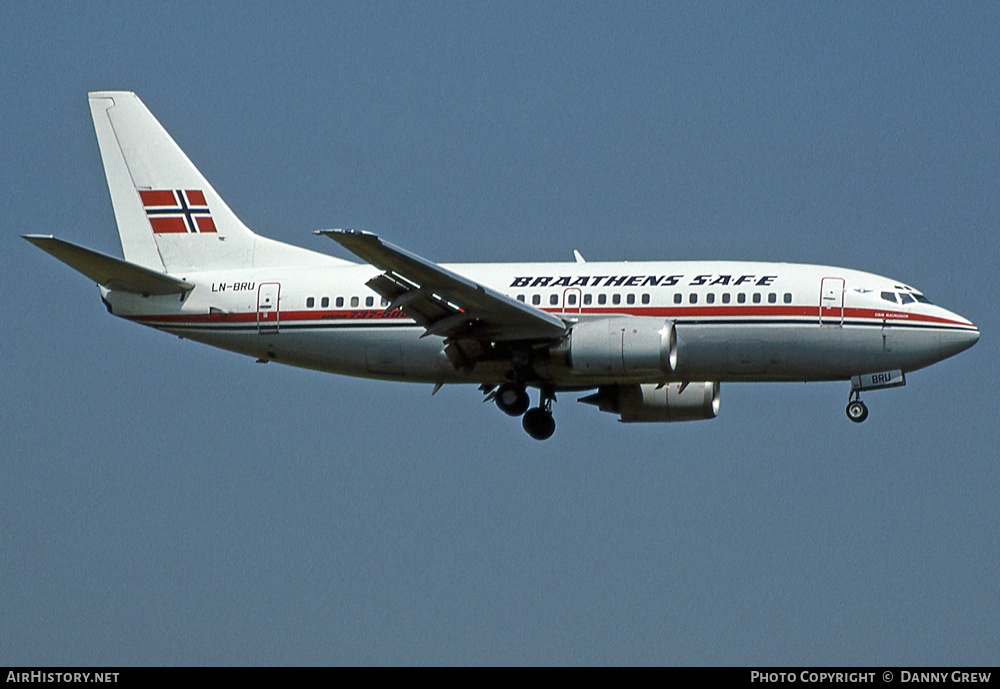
[[169, 217]]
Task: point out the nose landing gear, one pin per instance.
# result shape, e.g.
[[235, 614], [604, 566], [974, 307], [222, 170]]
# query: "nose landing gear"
[[856, 409]]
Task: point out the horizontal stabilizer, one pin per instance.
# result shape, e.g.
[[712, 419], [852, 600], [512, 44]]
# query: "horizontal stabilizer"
[[111, 272]]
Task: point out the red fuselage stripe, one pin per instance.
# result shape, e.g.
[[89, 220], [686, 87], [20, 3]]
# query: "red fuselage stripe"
[[681, 312]]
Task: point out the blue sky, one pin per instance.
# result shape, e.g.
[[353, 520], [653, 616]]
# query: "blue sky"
[[162, 502]]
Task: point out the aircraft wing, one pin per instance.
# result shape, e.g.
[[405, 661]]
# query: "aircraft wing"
[[442, 301]]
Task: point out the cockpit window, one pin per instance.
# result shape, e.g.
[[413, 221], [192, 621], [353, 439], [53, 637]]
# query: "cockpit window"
[[906, 295]]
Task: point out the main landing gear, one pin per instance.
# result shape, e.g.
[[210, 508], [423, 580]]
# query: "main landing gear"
[[512, 399], [538, 422], [856, 409]]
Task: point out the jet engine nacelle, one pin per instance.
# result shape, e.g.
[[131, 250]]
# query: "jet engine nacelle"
[[623, 346], [653, 402]]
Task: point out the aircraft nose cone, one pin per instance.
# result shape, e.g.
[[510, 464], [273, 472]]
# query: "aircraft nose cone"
[[971, 338], [957, 341]]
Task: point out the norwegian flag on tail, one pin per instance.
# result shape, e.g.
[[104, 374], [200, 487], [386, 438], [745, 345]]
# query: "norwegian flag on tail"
[[177, 211]]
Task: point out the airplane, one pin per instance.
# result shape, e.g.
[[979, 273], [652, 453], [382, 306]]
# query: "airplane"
[[651, 341]]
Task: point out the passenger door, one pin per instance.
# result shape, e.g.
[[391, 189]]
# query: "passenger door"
[[268, 314], [831, 302]]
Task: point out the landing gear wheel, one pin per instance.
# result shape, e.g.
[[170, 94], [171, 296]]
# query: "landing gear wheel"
[[857, 411], [539, 424], [512, 399]]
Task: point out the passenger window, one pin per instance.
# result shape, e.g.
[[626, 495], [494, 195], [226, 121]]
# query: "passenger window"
[[571, 299], [553, 299], [310, 302], [520, 298], [340, 301], [645, 299], [587, 298], [756, 297], [385, 302], [602, 299], [536, 299], [710, 297], [630, 298], [616, 299], [370, 301], [788, 297], [678, 298], [741, 298], [726, 297], [324, 302], [693, 298], [772, 298], [354, 301]]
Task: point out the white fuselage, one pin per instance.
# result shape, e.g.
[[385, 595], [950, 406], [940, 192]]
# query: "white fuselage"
[[735, 321]]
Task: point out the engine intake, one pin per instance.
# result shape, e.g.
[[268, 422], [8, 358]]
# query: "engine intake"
[[650, 402]]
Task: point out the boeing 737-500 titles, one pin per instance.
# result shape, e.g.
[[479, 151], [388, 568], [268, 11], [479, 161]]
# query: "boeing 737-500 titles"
[[648, 340]]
